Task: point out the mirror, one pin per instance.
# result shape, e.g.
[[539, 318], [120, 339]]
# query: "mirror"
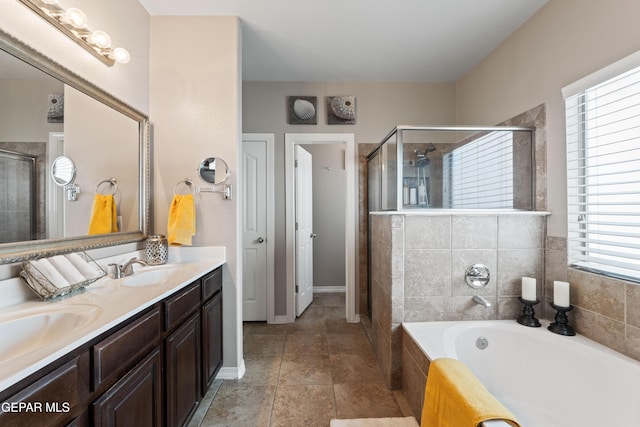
[[87, 128], [63, 171], [214, 170]]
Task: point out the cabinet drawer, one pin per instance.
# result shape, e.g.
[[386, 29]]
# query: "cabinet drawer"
[[124, 348], [211, 284], [54, 399], [181, 305]]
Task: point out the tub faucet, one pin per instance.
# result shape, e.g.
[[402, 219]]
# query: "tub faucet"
[[481, 301], [127, 268]]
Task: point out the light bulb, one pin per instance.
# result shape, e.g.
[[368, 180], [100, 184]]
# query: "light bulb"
[[121, 55], [101, 39], [75, 17]]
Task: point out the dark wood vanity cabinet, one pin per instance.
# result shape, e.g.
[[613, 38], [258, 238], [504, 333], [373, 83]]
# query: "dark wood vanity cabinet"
[[151, 370], [136, 399]]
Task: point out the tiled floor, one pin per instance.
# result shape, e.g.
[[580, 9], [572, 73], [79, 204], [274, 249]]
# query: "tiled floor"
[[305, 374]]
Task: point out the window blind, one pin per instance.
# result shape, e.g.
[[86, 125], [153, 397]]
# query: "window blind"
[[480, 173], [603, 176]]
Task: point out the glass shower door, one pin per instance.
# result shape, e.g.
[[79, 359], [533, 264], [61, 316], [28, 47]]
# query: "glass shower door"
[[17, 197]]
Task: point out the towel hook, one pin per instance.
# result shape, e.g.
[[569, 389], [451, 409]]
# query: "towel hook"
[[111, 181], [188, 183]]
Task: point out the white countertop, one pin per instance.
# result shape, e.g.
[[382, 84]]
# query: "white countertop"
[[106, 302]]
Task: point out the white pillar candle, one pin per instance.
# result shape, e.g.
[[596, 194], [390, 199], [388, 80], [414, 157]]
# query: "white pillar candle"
[[529, 288], [561, 293]]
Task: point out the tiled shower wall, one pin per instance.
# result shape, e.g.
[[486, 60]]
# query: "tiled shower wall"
[[418, 265]]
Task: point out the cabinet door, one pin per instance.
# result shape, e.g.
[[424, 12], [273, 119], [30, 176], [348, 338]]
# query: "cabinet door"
[[211, 340], [182, 352], [136, 399]]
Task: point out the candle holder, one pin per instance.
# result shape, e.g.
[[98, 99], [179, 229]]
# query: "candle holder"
[[528, 317], [561, 325]]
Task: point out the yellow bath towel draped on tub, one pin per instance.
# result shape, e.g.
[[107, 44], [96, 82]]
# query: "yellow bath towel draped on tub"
[[181, 226], [454, 397], [103, 215]]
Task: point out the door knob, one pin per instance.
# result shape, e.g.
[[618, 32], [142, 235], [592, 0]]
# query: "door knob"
[[313, 235], [260, 240]]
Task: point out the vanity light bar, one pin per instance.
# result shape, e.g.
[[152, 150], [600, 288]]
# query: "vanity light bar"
[[73, 23]]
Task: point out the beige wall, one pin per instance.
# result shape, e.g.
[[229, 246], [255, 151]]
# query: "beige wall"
[[379, 107], [126, 21], [195, 86], [563, 42]]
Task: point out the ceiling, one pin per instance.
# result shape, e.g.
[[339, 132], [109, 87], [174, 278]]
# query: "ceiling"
[[362, 40]]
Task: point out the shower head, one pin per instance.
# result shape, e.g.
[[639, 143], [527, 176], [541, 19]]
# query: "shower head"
[[421, 157]]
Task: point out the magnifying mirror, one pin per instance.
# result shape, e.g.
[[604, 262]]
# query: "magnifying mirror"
[[214, 170], [63, 171]]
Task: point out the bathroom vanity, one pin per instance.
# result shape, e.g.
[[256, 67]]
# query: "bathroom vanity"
[[148, 351]]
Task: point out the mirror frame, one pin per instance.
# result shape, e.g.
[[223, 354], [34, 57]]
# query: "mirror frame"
[[22, 251]]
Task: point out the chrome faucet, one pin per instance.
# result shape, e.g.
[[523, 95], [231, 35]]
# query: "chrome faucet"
[[481, 301], [127, 268], [120, 271]]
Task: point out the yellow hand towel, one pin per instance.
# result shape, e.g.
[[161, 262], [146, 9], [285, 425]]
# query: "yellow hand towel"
[[103, 215], [182, 220], [454, 397]]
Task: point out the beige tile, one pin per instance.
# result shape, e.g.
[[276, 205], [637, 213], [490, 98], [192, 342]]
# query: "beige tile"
[[474, 232], [240, 406], [633, 305], [513, 264], [330, 299], [521, 231], [355, 368], [299, 370], [263, 345], [349, 344], [297, 345], [341, 326], [599, 328], [260, 370], [464, 308], [511, 308], [307, 326], [263, 328], [373, 400], [303, 405], [632, 342], [598, 294], [428, 232], [427, 309], [413, 382], [427, 273]]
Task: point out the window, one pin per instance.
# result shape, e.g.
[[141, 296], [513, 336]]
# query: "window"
[[603, 175], [480, 173]]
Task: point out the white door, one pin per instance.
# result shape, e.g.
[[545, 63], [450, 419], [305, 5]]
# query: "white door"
[[255, 256], [304, 229]]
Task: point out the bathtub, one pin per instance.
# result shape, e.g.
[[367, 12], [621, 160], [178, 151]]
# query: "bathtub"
[[545, 379]]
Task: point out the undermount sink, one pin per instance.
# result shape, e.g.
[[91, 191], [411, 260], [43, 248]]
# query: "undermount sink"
[[151, 276], [31, 329]]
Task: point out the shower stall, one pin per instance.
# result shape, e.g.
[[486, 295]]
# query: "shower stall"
[[451, 169], [17, 196]]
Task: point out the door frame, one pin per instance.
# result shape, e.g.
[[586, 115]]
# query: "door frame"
[[269, 138], [348, 140]]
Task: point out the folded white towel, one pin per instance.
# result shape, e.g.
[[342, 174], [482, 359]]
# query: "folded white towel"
[[88, 271], [68, 270], [49, 271]]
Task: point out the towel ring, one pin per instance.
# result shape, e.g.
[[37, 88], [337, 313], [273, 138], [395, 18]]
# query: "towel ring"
[[188, 183], [112, 182]]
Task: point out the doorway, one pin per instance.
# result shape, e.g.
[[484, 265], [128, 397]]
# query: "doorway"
[[348, 141]]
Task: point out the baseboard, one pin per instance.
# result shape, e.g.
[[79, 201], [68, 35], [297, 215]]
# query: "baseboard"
[[329, 289], [232, 372]]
